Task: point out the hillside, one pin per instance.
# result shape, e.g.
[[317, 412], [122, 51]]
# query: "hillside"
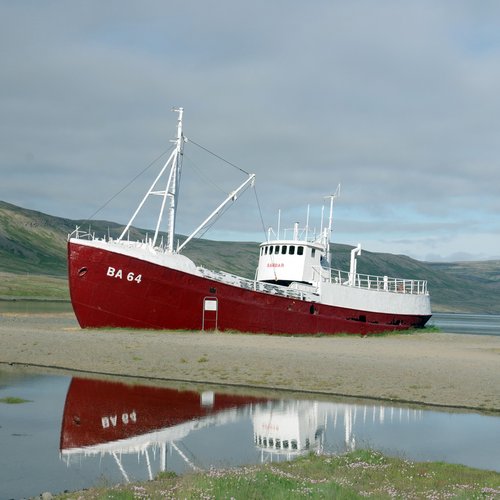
[[35, 243]]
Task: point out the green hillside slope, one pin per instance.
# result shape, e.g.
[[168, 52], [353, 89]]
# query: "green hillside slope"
[[33, 243]]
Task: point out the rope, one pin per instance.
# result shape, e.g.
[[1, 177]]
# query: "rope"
[[260, 213], [127, 185], [219, 157]]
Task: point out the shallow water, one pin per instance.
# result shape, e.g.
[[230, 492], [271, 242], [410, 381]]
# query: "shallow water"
[[75, 433], [474, 324]]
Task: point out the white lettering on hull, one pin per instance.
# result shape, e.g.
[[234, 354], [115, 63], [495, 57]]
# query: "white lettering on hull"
[[108, 421], [119, 274]]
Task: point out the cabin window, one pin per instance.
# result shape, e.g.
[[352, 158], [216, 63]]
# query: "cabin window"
[[313, 253], [291, 249], [283, 249], [300, 250], [277, 249], [271, 250]]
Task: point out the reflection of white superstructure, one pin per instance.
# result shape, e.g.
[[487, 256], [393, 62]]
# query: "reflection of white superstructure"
[[289, 428]]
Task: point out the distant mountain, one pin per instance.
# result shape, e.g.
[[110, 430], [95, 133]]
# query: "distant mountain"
[[35, 243]]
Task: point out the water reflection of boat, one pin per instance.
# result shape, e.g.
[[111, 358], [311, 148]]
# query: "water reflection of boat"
[[111, 418], [289, 428], [105, 417]]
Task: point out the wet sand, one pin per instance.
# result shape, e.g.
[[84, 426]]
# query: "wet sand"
[[453, 370]]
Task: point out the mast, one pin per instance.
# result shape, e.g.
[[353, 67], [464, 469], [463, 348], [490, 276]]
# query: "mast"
[[327, 231], [171, 191], [173, 185]]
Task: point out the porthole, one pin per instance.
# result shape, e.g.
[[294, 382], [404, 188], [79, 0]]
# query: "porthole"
[[82, 271]]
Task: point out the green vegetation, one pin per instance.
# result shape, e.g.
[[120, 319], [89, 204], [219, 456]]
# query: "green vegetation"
[[33, 286], [33, 262], [10, 400], [358, 474]]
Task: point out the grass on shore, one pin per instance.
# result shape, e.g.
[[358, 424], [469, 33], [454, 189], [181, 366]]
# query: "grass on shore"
[[351, 476], [12, 400], [33, 286]]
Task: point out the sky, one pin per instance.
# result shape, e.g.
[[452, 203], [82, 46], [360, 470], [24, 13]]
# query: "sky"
[[398, 102]]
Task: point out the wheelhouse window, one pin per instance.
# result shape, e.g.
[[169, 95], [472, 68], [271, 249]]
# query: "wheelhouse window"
[[283, 250], [291, 249], [313, 252], [271, 250], [300, 250]]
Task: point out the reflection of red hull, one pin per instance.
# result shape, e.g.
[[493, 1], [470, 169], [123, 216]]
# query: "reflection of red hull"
[[166, 298], [98, 411]]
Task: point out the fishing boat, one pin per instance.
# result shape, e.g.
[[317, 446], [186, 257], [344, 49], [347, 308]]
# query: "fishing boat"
[[151, 284]]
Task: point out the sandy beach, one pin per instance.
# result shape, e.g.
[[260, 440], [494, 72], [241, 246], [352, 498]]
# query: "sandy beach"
[[453, 370]]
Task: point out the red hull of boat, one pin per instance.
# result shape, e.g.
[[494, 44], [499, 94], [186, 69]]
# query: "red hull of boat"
[[169, 299], [97, 411]]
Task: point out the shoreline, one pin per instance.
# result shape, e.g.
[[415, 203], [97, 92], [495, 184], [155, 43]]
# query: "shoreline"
[[445, 370]]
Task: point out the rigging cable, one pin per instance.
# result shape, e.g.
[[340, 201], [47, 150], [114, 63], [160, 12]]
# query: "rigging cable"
[[260, 213], [217, 156], [127, 185], [264, 229], [241, 170]]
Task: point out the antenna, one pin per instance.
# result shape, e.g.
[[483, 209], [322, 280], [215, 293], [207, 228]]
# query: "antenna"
[[328, 231], [332, 197]]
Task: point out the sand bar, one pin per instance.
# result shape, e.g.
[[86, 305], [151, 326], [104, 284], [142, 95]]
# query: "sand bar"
[[455, 370]]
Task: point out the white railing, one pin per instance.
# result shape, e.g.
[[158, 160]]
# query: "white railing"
[[258, 286], [381, 283], [82, 235]]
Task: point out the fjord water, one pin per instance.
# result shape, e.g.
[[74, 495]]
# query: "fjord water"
[[77, 433], [473, 324]]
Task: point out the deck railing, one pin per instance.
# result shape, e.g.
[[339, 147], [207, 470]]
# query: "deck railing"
[[259, 286], [381, 283]]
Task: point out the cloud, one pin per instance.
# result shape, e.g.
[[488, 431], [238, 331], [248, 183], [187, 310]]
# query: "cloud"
[[396, 101]]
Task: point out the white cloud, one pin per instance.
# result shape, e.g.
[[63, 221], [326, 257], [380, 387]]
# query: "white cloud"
[[396, 101]]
